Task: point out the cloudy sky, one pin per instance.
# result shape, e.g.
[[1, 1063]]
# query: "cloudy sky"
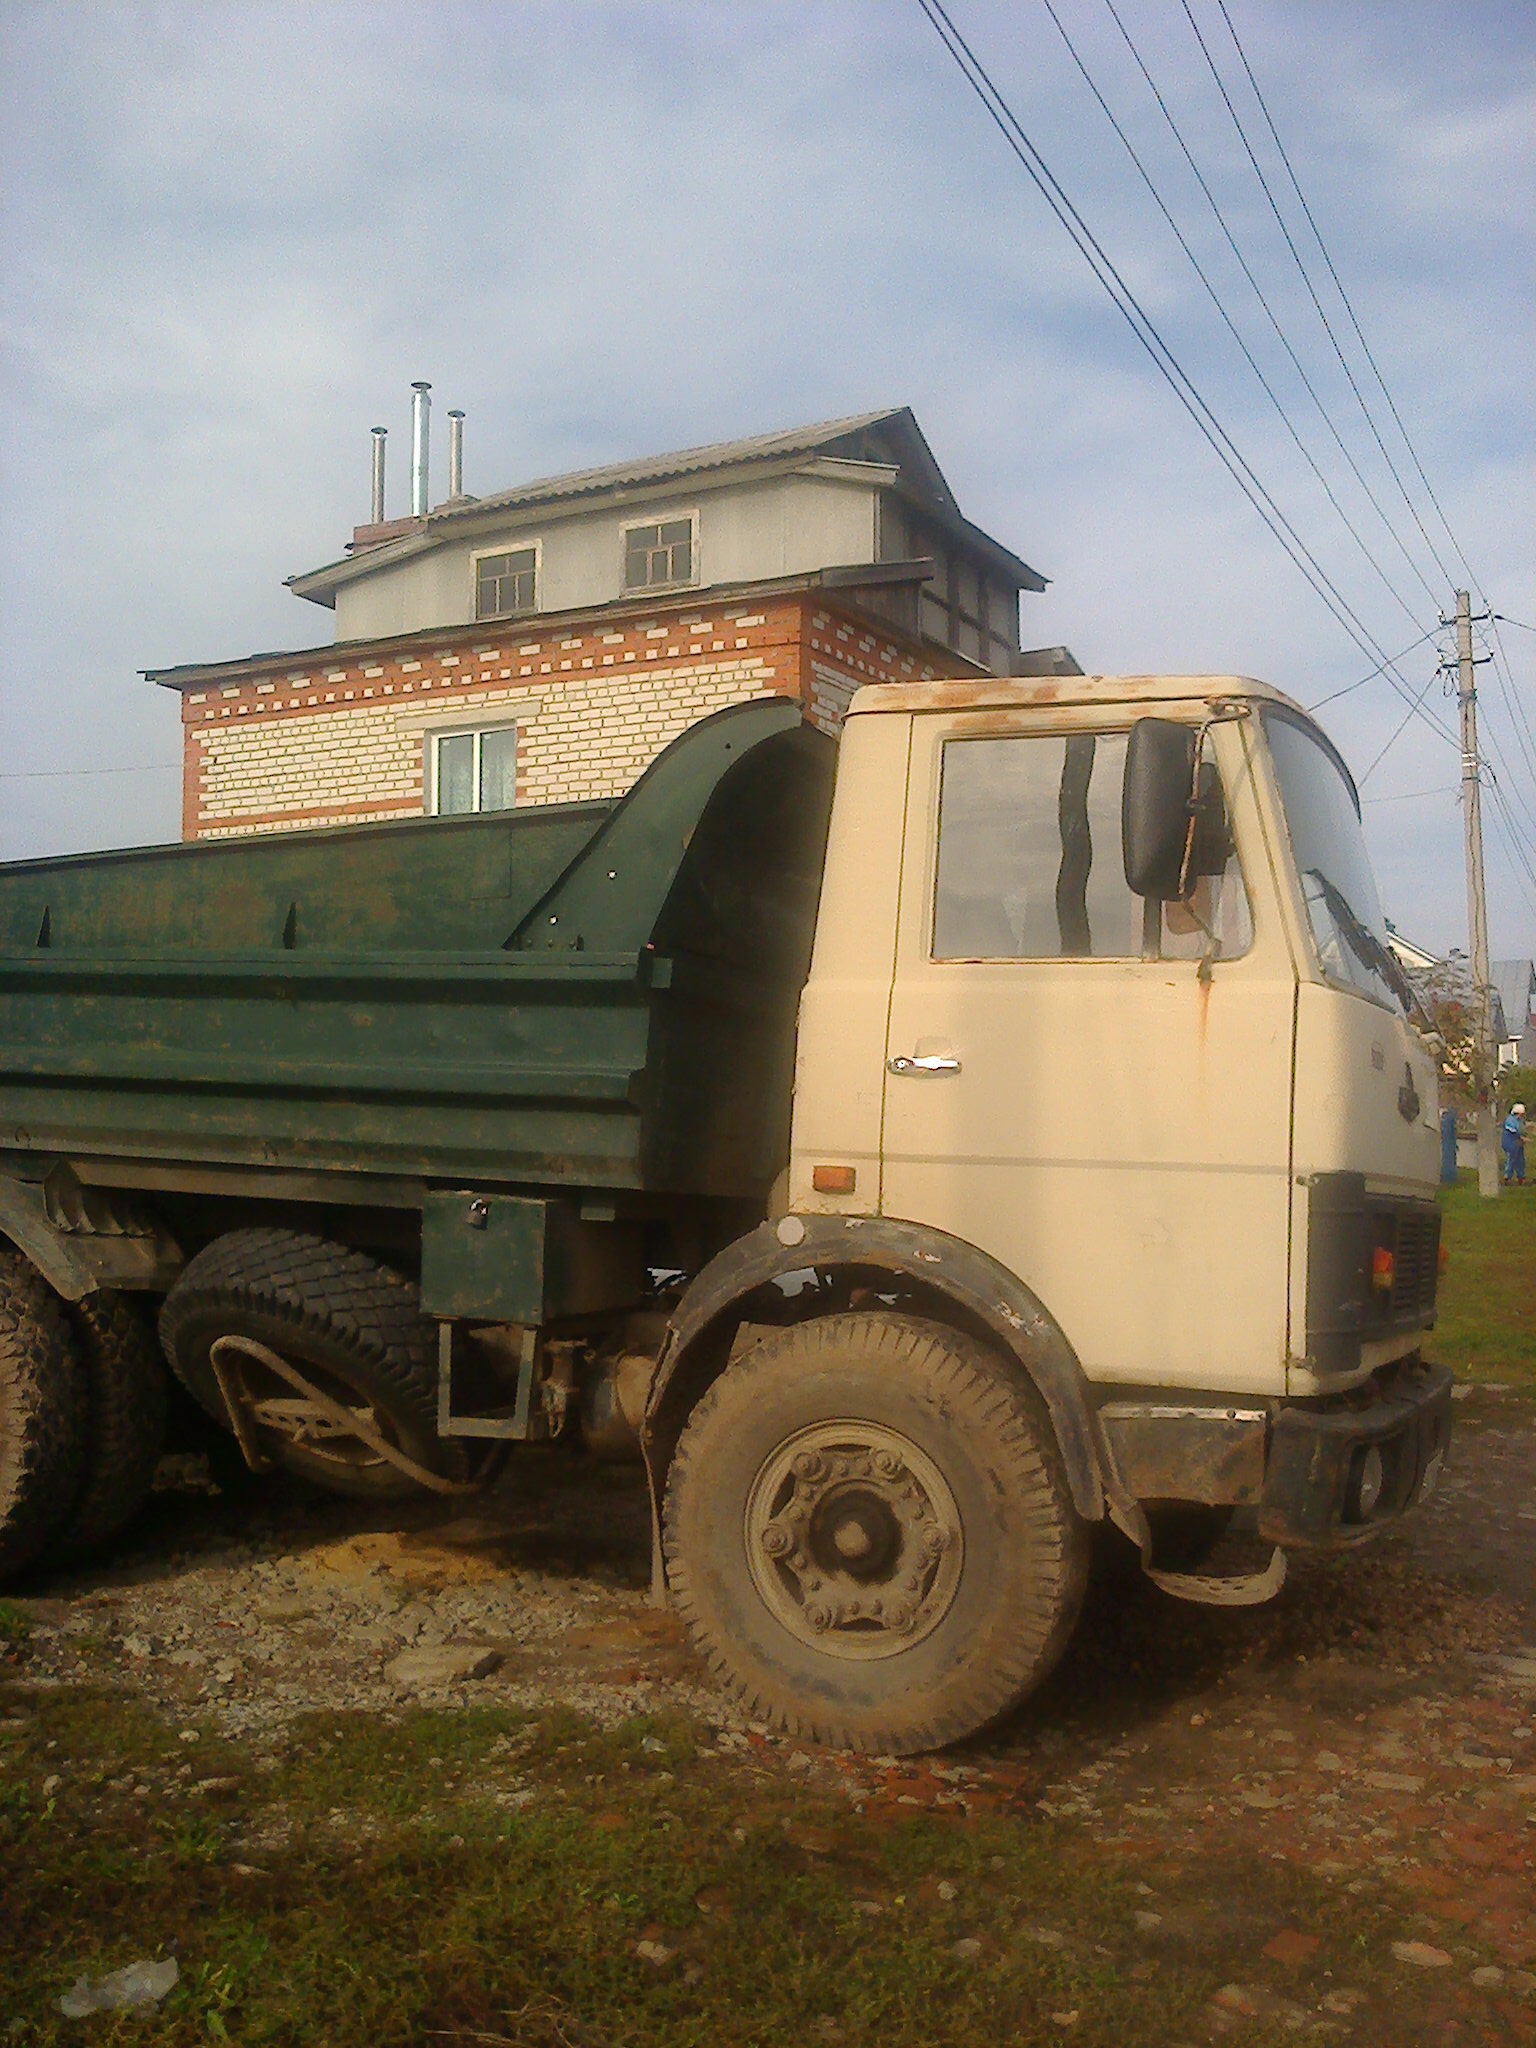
[[230, 236]]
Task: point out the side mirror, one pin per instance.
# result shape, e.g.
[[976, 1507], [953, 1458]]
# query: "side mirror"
[[1156, 810]]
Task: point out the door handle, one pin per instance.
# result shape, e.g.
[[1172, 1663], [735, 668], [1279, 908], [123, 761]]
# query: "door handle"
[[923, 1063]]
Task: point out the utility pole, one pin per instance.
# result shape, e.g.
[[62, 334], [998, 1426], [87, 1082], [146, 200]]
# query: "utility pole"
[[1485, 1072]]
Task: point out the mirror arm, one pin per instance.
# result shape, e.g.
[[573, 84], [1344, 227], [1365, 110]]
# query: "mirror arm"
[[1151, 928], [1194, 811]]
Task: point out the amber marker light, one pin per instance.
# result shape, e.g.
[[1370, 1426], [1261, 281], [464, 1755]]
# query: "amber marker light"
[[833, 1180], [1381, 1270]]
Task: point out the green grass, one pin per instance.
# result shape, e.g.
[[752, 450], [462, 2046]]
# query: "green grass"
[[1486, 1327], [370, 1884], [13, 1623]]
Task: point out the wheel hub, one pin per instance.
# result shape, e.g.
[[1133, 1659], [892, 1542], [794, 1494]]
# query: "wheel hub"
[[853, 1539]]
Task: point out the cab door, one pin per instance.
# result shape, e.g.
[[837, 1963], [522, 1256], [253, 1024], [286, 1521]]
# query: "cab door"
[[1112, 1128]]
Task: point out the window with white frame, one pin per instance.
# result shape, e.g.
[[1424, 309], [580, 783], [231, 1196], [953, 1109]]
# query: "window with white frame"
[[473, 770], [506, 584], [658, 554]]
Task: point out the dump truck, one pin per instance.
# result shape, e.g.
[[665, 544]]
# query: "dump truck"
[[924, 1149]]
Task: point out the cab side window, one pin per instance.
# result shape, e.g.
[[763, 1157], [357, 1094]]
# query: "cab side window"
[[1030, 864]]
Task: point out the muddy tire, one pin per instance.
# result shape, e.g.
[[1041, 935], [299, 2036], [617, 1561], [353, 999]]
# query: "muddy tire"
[[126, 1386], [351, 1326], [43, 1415], [869, 1533]]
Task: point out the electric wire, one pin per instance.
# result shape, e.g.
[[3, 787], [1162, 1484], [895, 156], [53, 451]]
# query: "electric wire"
[[1408, 796], [1231, 326], [1371, 675], [1525, 737], [1398, 730], [50, 774], [1524, 741], [1489, 745], [1269, 313], [1349, 307], [1520, 862], [1146, 332], [1306, 278], [1522, 835]]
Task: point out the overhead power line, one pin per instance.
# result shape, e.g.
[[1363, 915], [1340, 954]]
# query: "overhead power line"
[[50, 774], [1398, 730], [1273, 318], [1216, 300], [1306, 278], [1525, 736], [1371, 674], [1344, 295], [1146, 332]]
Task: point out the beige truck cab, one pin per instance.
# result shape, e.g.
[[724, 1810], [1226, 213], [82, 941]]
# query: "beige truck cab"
[[1111, 1190]]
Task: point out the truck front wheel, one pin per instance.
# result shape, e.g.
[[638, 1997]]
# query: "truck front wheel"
[[870, 1534]]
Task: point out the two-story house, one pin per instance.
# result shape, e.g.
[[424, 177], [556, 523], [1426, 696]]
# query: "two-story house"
[[545, 643]]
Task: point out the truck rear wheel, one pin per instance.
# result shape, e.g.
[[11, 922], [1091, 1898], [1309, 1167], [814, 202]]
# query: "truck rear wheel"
[[43, 1417], [870, 1534], [126, 1400], [350, 1327]]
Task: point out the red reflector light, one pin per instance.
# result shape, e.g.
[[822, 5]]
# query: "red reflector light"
[[833, 1180], [1381, 1269], [1445, 1258]]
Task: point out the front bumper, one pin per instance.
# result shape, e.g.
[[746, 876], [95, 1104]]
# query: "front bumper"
[[1319, 1460]]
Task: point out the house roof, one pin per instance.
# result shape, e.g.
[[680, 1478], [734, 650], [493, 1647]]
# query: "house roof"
[[1408, 953], [843, 585], [885, 446], [823, 438]]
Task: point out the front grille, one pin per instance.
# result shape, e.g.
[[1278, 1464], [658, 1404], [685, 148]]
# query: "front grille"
[[1416, 1262], [1346, 1229]]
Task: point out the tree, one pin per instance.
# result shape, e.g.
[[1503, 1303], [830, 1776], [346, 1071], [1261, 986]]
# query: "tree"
[[1449, 998]]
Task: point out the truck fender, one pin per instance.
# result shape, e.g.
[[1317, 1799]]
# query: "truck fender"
[[952, 1280], [84, 1238]]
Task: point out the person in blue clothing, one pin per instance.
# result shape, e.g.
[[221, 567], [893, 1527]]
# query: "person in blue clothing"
[[1514, 1146]]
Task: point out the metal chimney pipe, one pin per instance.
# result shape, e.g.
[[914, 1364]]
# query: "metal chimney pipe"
[[421, 414], [455, 455], [379, 434]]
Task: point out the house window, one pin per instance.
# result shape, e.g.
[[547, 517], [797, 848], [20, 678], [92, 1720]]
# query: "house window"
[[473, 771], [504, 584], [658, 554]]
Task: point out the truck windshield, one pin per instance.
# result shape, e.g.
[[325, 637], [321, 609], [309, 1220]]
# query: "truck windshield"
[[1343, 908]]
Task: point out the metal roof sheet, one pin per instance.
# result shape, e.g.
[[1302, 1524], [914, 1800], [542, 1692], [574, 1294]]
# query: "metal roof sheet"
[[678, 462]]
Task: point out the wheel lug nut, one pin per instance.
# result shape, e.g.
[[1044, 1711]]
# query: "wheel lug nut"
[[819, 1617], [776, 1539], [807, 1465]]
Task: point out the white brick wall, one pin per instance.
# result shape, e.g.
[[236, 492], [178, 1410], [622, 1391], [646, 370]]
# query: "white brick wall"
[[585, 739]]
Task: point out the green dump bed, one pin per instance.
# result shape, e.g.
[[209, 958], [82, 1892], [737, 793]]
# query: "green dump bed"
[[589, 996]]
